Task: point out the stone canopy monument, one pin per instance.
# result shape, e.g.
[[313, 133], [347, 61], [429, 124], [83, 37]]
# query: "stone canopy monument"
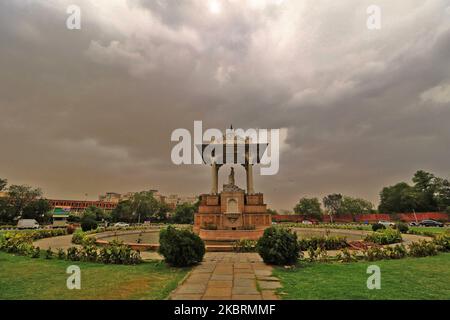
[[234, 213]]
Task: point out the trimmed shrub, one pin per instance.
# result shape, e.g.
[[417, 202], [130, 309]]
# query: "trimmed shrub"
[[48, 253], [375, 253], [114, 253], [325, 242], [402, 227], [47, 233], [278, 246], [396, 252], [18, 243], [442, 242], [378, 226], [385, 236], [73, 254], [422, 249], [312, 254], [322, 255], [181, 248], [35, 252], [88, 224], [421, 233], [88, 253], [346, 256], [61, 254], [78, 237]]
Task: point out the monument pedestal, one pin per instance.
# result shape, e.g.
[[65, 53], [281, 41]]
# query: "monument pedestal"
[[231, 215]]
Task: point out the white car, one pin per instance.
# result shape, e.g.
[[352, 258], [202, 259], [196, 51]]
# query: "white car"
[[386, 223], [121, 225], [306, 222], [27, 224]]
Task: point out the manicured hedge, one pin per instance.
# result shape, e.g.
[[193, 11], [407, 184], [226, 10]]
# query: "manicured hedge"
[[181, 248], [278, 246]]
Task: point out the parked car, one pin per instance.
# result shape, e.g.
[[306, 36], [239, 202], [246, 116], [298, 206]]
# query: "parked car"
[[431, 223], [306, 222], [27, 224], [386, 223], [414, 224], [121, 225]]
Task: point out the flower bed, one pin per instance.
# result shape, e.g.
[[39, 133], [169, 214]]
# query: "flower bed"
[[384, 236], [324, 242]]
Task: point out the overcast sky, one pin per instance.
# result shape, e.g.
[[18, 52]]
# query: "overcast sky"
[[92, 110]]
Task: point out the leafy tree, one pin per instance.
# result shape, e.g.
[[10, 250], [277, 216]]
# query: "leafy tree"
[[162, 212], [355, 206], [272, 211], [429, 193], [6, 212], [142, 206], [332, 203], [123, 212], [184, 213], [442, 194], [94, 213], [310, 207], [37, 210], [3, 183], [425, 185], [398, 198], [21, 196]]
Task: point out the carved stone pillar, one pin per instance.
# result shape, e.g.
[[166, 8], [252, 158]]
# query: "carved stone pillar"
[[214, 178], [249, 171]]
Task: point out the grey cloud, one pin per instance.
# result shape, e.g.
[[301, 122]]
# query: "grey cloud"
[[92, 110]]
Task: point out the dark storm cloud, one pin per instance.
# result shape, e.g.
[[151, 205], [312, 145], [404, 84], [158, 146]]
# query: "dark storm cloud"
[[92, 110]]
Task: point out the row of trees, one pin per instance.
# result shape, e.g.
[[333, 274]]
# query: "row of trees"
[[428, 194], [334, 204], [22, 201], [25, 202], [144, 206]]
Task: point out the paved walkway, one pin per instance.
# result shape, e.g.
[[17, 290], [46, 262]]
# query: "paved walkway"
[[61, 242], [229, 276]]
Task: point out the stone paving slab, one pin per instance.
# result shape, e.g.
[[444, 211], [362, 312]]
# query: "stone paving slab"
[[246, 297], [223, 277], [229, 276], [269, 284], [187, 297], [192, 288]]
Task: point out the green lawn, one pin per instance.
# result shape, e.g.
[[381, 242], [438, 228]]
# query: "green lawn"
[[26, 278], [410, 278], [434, 230]]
